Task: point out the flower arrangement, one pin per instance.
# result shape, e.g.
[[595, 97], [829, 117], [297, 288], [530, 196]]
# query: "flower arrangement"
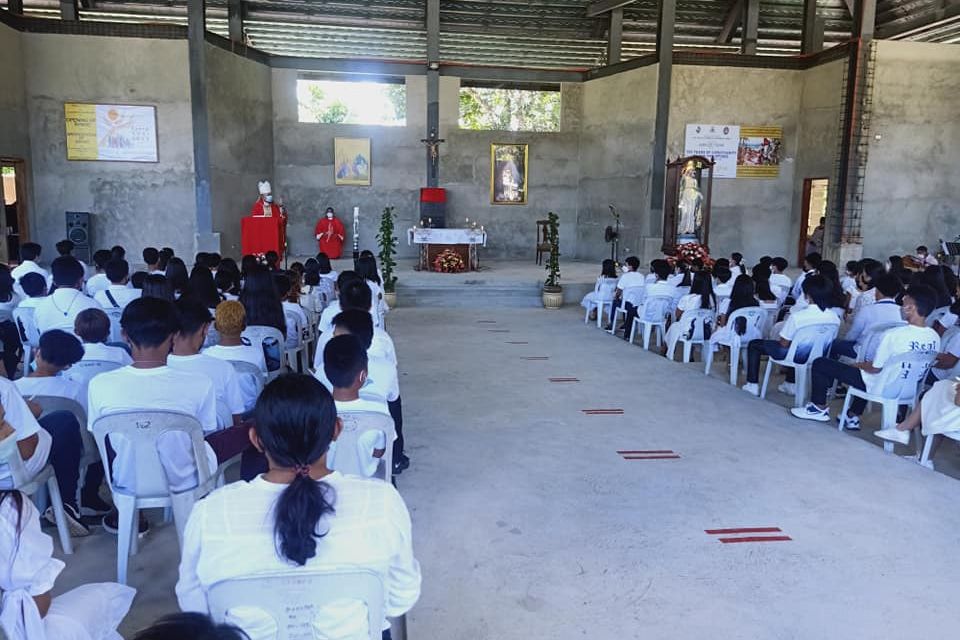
[[688, 252], [449, 261]]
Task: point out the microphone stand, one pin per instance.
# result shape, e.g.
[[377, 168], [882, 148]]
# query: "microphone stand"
[[615, 245]]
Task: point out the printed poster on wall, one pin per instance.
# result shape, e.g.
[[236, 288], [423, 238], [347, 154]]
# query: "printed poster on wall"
[[758, 155], [112, 132], [717, 141]]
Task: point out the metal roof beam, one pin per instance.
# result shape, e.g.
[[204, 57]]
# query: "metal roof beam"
[[733, 17], [947, 10], [751, 24], [615, 36], [235, 11], [603, 6]]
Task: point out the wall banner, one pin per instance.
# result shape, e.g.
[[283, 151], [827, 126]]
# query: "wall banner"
[[114, 132], [717, 141], [759, 152]]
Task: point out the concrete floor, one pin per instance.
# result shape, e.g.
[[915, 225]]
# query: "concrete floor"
[[528, 524]]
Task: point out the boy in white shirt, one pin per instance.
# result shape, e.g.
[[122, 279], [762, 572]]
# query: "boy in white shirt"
[[195, 321], [291, 308], [780, 282], [345, 364], [66, 248], [355, 295], [99, 281], [884, 311], [918, 302], [724, 285], [58, 352], [819, 292], [151, 258], [333, 307], [659, 287], [92, 326], [230, 319], [59, 310], [118, 294], [630, 276], [811, 265], [29, 253], [924, 257], [34, 288]]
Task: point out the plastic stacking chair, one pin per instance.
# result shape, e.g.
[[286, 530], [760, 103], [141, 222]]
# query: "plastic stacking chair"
[[355, 424], [251, 377], [85, 370], [630, 294], [272, 340], [899, 384], [754, 321], [694, 325], [142, 430], [292, 598], [29, 334], [114, 314], [928, 445], [870, 340], [603, 300], [652, 317], [50, 404], [45, 479], [294, 355], [809, 343]]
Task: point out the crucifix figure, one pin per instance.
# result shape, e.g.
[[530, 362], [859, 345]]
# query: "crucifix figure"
[[432, 142]]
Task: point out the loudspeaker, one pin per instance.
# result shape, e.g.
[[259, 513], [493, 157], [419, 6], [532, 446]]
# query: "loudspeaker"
[[79, 232]]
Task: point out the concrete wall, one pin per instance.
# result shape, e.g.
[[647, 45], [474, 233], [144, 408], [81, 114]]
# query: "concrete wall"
[[912, 188], [134, 204], [13, 107], [240, 108], [753, 216], [616, 145]]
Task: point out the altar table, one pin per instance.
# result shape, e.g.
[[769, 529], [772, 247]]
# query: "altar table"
[[434, 241]]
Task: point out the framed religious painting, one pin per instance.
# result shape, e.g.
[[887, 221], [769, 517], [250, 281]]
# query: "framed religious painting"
[[351, 162], [508, 173]]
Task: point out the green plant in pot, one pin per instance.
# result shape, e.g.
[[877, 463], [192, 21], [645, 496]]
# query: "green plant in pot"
[[388, 249], [552, 291]]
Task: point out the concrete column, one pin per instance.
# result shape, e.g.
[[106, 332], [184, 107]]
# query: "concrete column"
[[751, 25], [196, 29], [809, 27], [615, 37], [235, 20], [665, 23], [433, 89], [69, 10]]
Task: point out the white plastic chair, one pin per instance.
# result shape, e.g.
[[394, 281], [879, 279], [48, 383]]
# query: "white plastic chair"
[[10, 455], [142, 429], [292, 598], [600, 303], [294, 354], [114, 314], [249, 371], [870, 340], [85, 370], [816, 338], [936, 314], [928, 445], [754, 319], [652, 317], [272, 341], [899, 383], [29, 334], [50, 404], [355, 424], [630, 294], [693, 330]]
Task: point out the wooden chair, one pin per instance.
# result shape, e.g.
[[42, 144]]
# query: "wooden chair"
[[543, 239]]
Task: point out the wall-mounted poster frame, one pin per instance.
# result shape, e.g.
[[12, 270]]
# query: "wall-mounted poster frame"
[[111, 132], [508, 172]]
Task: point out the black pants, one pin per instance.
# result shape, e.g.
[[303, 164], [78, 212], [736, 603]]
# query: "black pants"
[[396, 412], [12, 349], [825, 371], [632, 312], [846, 348], [758, 348], [66, 449]]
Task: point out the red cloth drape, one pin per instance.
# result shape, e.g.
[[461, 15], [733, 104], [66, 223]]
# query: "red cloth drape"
[[331, 234]]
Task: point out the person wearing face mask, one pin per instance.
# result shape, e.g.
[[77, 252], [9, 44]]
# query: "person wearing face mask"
[[265, 206], [330, 235]]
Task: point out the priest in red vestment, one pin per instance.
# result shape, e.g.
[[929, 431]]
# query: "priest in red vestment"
[[265, 207], [330, 235]]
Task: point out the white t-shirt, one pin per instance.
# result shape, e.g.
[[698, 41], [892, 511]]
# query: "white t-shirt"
[[20, 417], [160, 389], [382, 383], [950, 343], [661, 288], [804, 318], [231, 534], [225, 380], [326, 318], [120, 292], [60, 309], [361, 456], [380, 347], [881, 312], [896, 342], [58, 386], [249, 385], [689, 302], [723, 289], [22, 269], [98, 282], [28, 302], [780, 285], [635, 280], [101, 351]]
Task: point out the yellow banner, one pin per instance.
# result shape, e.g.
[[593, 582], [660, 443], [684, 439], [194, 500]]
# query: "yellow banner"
[[81, 122], [759, 152]]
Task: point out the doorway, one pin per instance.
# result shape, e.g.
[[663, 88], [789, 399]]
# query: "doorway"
[[13, 215], [813, 209]]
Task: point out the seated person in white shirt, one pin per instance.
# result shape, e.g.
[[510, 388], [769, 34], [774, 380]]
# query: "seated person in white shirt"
[[886, 288], [659, 287], [819, 292], [119, 293], [780, 282], [195, 321], [736, 263], [58, 352], [28, 572], [149, 384], [630, 276], [947, 364], [290, 301], [300, 516], [333, 307], [230, 320], [29, 253], [724, 282], [59, 310], [66, 248], [848, 283], [923, 257], [918, 302], [99, 281], [34, 287], [151, 258], [345, 363], [811, 265], [356, 295], [92, 326]]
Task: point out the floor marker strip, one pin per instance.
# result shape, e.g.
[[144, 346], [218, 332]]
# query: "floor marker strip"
[[658, 457], [564, 379], [651, 451], [714, 532], [486, 322], [499, 330], [516, 342], [536, 358], [756, 539], [603, 412]]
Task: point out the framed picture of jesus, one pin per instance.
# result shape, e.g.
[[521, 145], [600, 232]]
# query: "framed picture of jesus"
[[508, 173]]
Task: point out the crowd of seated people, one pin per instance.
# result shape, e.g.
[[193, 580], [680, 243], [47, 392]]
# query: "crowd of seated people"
[[166, 337]]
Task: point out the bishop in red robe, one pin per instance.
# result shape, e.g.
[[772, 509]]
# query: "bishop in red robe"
[[330, 235], [266, 207]]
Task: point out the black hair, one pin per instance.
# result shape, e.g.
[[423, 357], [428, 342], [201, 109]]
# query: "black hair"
[[367, 269], [297, 267], [311, 265], [737, 257], [871, 268], [67, 271], [311, 278], [60, 348], [661, 267], [192, 626], [227, 281], [192, 315], [780, 263], [924, 299], [722, 273], [923, 248], [343, 359], [813, 259], [366, 253], [687, 280], [722, 262], [819, 290], [356, 295], [949, 278], [137, 278], [155, 286], [92, 325], [229, 265], [176, 274], [324, 261], [201, 259], [272, 258], [33, 284], [202, 288], [247, 264], [6, 283], [101, 257], [149, 321], [703, 286], [888, 285], [261, 301], [766, 260], [30, 251], [829, 270], [116, 270], [608, 269], [214, 259], [634, 262], [65, 247], [151, 255], [761, 280], [853, 267], [741, 295], [165, 254], [118, 251], [295, 421], [283, 283], [356, 323], [933, 276]]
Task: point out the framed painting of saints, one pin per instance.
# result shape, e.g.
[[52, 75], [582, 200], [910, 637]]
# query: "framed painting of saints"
[[686, 206], [508, 173], [351, 158]]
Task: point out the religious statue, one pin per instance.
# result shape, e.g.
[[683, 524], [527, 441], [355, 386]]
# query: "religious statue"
[[690, 204], [687, 195], [330, 235]]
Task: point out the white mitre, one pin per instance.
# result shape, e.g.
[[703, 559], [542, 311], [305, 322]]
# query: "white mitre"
[[264, 187]]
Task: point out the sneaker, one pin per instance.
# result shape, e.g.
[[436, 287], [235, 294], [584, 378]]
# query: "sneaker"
[[94, 506], [788, 388], [402, 464], [811, 412], [893, 435], [852, 423], [74, 523], [110, 524], [752, 388]]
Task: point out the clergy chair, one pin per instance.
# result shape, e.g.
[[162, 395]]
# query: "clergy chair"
[[543, 239]]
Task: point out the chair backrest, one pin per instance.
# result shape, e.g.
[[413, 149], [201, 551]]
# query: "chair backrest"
[[49, 404], [325, 291], [870, 340], [85, 370], [142, 430], [752, 320], [24, 317], [10, 457], [811, 342], [902, 374], [293, 598], [294, 320], [272, 340], [635, 295], [249, 371], [697, 324], [355, 424], [936, 314], [656, 308], [115, 331]]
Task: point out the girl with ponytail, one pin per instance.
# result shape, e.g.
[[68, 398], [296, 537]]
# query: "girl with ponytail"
[[300, 516]]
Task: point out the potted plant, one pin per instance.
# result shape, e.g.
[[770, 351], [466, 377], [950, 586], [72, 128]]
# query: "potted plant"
[[552, 291], [388, 249]]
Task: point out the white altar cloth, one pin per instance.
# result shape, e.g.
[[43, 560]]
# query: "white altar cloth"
[[446, 236]]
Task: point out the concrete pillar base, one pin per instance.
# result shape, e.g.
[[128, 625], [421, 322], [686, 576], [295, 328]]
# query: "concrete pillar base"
[[207, 242], [848, 251]]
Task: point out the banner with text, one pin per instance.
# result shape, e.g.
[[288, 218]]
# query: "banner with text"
[[758, 154], [717, 141], [122, 133]]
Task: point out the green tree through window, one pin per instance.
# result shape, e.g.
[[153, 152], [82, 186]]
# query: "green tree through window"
[[509, 109], [338, 102]]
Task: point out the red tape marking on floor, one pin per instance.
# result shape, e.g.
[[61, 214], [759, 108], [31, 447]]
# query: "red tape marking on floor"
[[499, 330], [516, 342], [564, 380], [603, 412], [661, 457], [714, 532], [645, 452], [486, 322], [536, 358], [756, 539]]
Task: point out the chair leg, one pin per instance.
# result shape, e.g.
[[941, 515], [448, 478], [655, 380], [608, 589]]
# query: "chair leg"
[[56, 501], [927, 447], [766, 379], [800, 386], [842, 422], [586, 314], [633, 330], [647, 329], [126, 530], [687, 351], [734, 366], [707, 358]]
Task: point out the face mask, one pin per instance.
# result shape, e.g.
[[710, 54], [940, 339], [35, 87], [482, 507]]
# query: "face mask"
[[268, 199], [626, 268], [329, 216]]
